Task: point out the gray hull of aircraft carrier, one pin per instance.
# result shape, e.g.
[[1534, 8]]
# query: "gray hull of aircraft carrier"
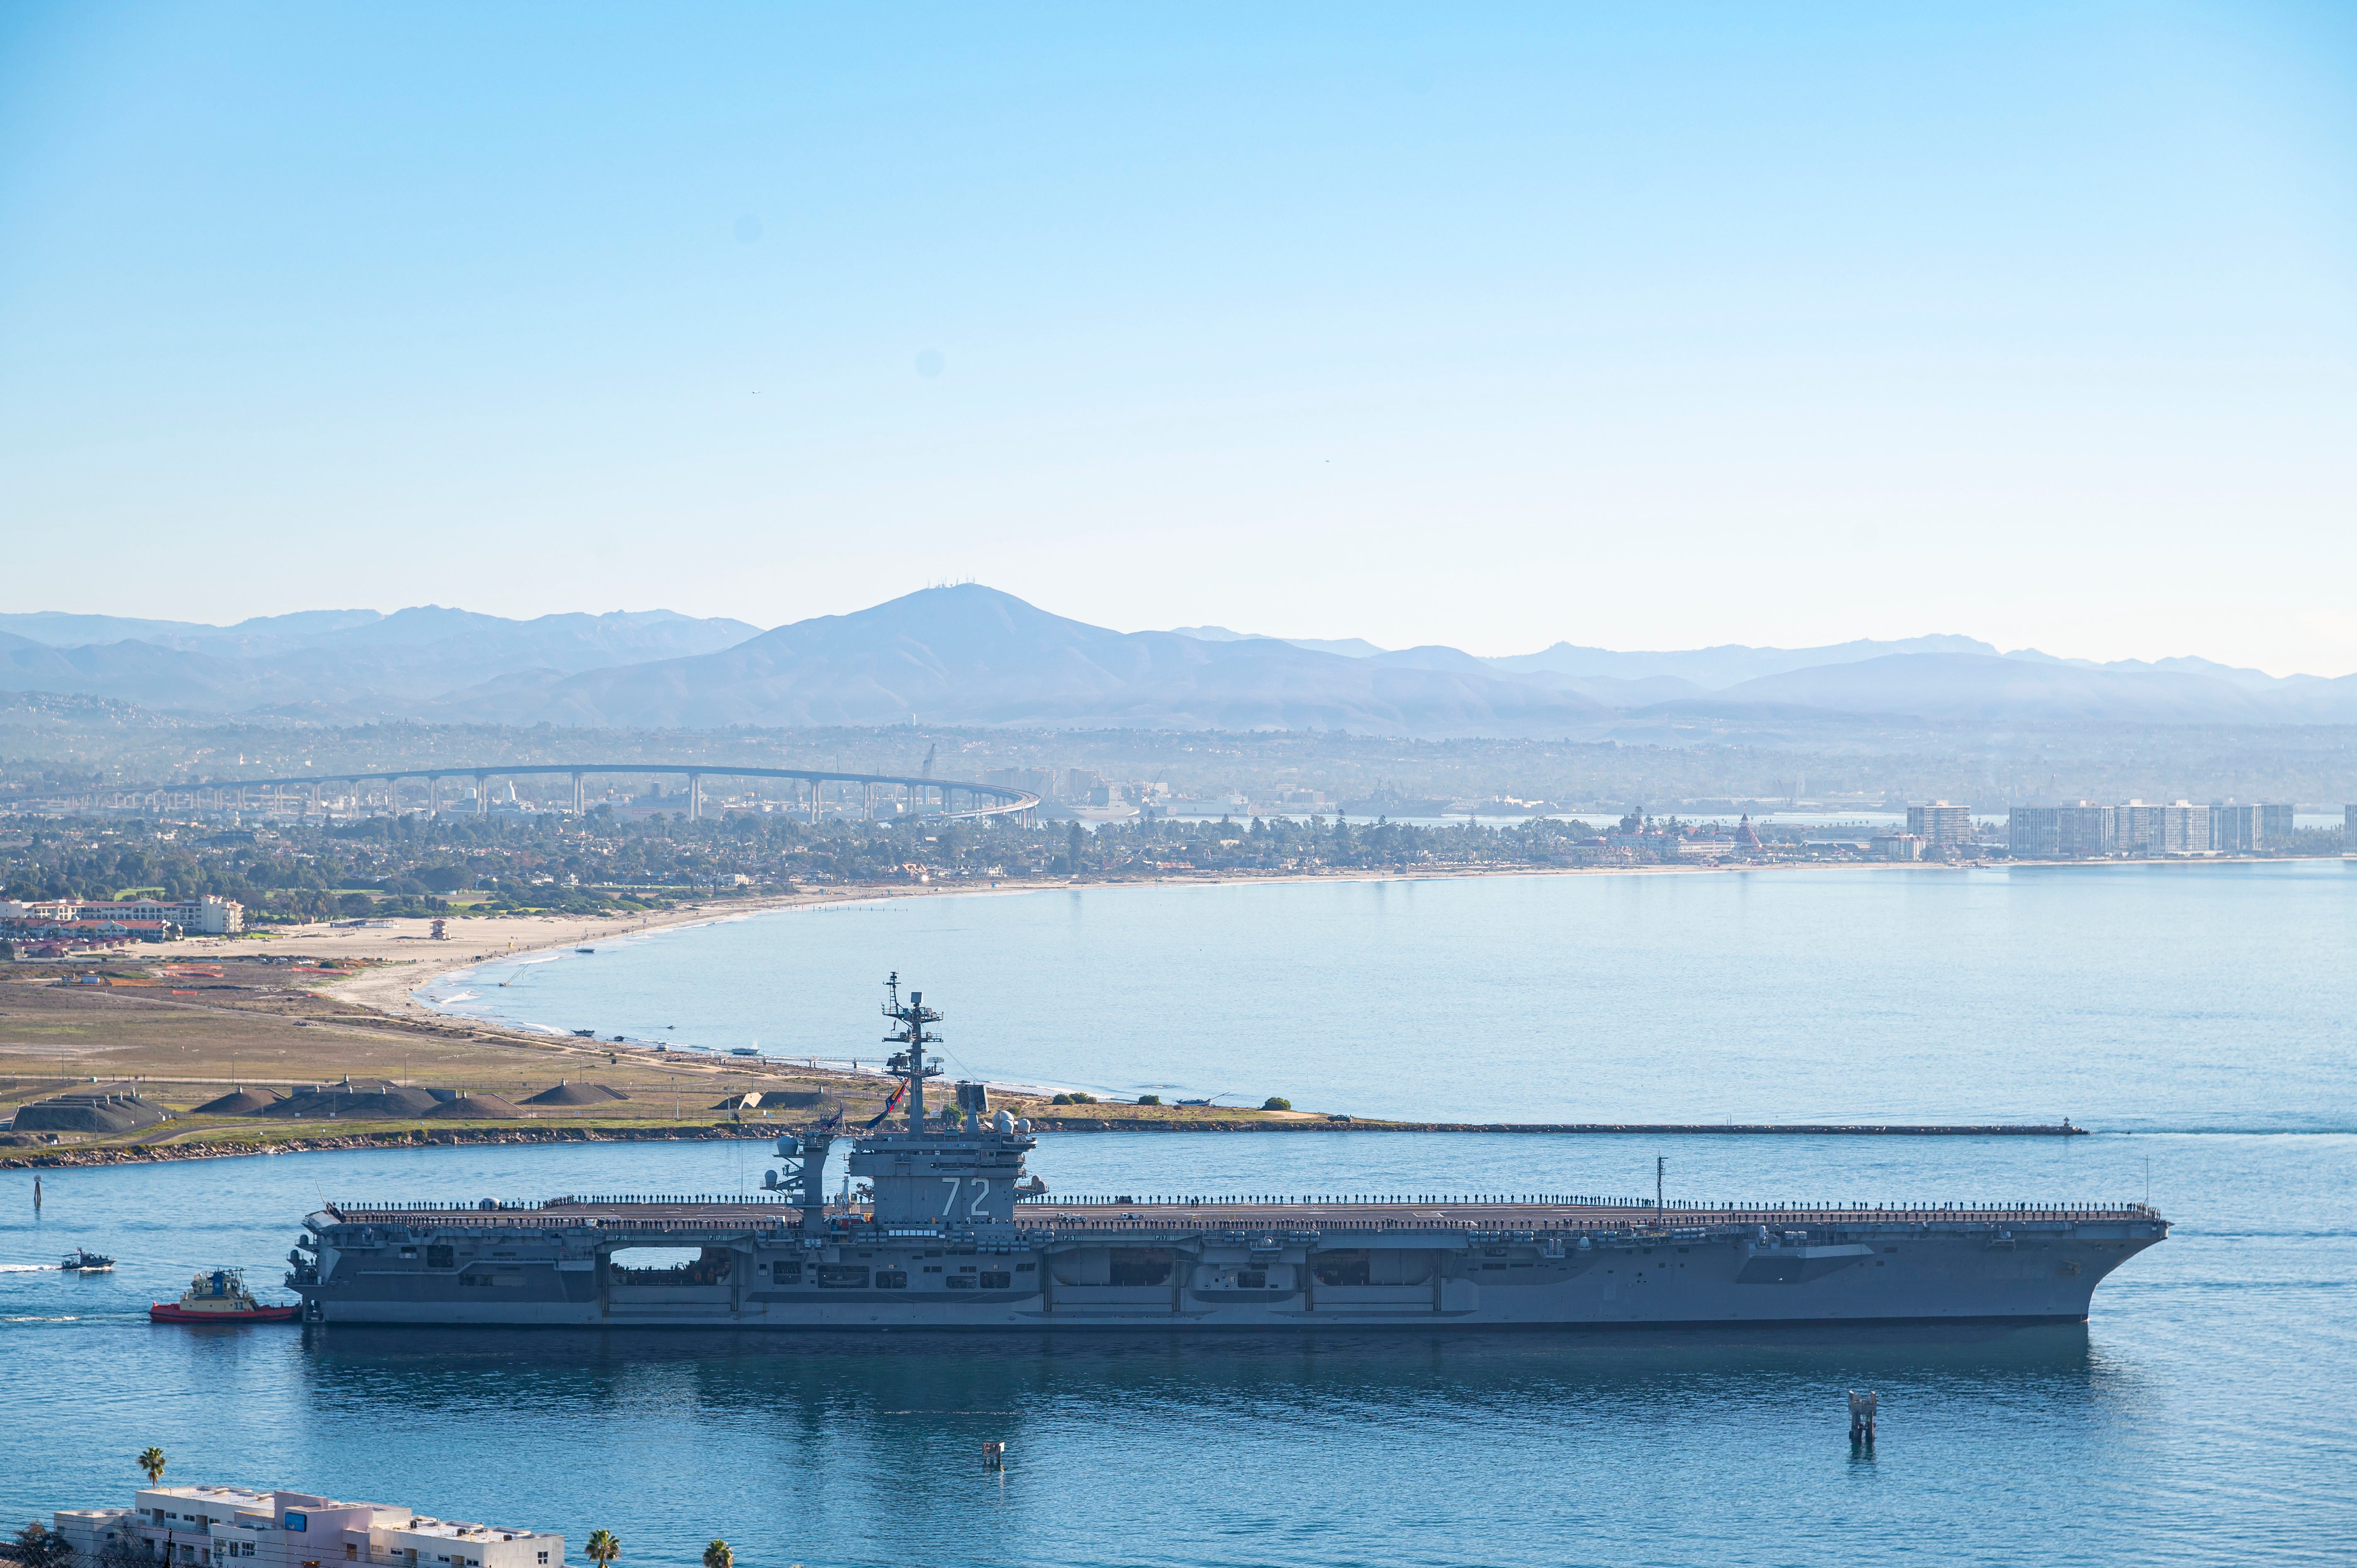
[[1226, 1266], [946, 1233]]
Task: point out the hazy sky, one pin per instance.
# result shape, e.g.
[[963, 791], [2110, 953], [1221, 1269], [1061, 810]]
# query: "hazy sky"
[[1640, 326]]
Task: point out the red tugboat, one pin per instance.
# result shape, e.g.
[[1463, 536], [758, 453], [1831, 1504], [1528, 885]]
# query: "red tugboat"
[[218, 1296]]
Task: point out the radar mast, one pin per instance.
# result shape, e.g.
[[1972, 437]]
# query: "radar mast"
[[912, 1035]]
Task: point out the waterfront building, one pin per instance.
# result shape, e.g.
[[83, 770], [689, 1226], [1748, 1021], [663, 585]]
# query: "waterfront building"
[[2235, 827], [205, 1527], [1703, 849], [1941, 825], [2143, 827], [2184, 829], [2349, 830], [2073, 831], [206, 916], [1896, 846], [2260, 826], [2175, 827]]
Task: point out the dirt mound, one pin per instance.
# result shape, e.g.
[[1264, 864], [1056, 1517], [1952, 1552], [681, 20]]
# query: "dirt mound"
[[476, 1108], [392, 1104], [570, 1093], [239, 1103], [116, 1107]]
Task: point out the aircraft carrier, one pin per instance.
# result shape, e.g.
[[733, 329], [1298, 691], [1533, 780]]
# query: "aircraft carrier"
[[945, 1232]]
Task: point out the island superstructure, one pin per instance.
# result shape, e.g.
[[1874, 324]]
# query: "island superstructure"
[[944, 1231]]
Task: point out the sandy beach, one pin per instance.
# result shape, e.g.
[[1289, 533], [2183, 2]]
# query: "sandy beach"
[[404, 957]]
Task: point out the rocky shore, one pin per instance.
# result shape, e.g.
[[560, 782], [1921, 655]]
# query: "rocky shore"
[[135, 1155], [127, 1154]]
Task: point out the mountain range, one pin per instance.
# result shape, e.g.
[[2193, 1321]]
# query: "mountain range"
[[332, 662], [972, 655]]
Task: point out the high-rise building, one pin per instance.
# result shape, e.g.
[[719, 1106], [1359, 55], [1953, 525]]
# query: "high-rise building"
[[2088, 828], [2034, 833], [2143, 827], [2062, 833], [1941, 825], [2139, 827], [2181, 828], [2235, 827]]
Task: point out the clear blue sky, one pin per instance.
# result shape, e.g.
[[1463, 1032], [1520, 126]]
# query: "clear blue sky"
[[1639, 326]]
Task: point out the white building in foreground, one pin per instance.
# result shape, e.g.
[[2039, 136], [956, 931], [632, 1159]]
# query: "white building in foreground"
[[203, 1527]]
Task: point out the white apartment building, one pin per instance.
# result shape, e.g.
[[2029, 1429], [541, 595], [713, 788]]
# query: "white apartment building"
[[204, 1526]]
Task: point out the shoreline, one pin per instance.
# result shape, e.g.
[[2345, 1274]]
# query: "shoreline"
[[725, 1131], [400, 960], [391, 993]]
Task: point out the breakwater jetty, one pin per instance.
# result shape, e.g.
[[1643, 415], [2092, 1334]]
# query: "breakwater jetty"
[[1646, 1129]]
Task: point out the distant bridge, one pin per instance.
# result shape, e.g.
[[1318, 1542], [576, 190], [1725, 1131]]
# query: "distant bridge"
[[919, 797]]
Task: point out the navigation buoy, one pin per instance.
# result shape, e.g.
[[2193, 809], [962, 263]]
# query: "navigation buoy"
[[994, 1455]]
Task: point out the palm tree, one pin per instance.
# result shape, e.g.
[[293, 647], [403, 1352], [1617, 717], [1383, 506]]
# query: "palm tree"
[[603, 1548], [719, 1554], [152, 1461]]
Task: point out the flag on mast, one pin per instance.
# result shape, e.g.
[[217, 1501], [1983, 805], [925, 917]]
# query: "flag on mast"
[[890, 1105]]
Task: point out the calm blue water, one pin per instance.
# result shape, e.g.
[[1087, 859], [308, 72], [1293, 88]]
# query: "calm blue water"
[[2202, 1018], [2200, 1417], [2151, 998]]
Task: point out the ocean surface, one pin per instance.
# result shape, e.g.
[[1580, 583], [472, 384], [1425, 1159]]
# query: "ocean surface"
[[2199, 1019], [2200, 1417], [2129, 997]]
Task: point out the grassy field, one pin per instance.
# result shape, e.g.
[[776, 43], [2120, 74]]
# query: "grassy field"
[[188, 1038]]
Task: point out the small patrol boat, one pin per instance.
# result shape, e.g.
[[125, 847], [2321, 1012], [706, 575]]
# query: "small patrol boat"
[[218, 1295], [81, 1260]]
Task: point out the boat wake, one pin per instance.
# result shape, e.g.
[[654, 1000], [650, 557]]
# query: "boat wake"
[[29, 1269]]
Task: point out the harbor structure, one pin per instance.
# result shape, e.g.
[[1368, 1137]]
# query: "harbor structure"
[[945, 1228], [208, 1527]]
